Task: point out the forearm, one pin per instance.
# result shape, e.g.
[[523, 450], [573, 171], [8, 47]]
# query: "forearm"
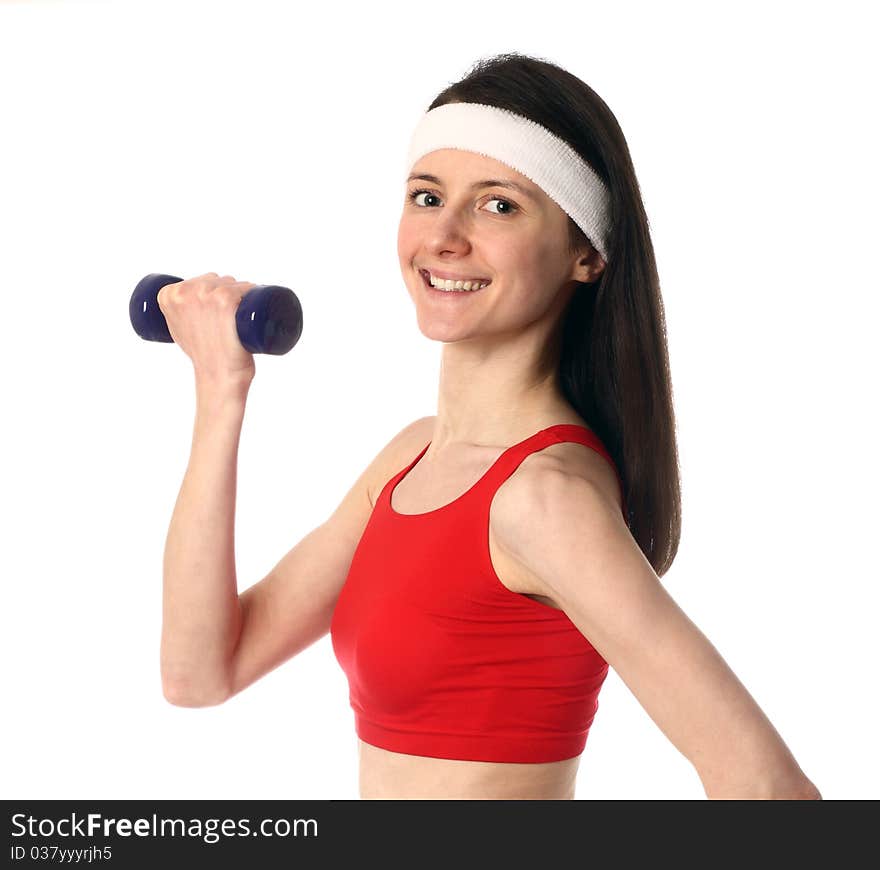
[[201, 615]]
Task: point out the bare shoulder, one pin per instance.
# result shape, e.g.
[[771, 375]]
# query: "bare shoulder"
[[400, 450], [567, 459], [541, 487]]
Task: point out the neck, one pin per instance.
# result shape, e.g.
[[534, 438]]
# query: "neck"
[[495, 390]]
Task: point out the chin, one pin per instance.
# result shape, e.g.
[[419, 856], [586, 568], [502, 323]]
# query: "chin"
[[438, 329], [439, 319]]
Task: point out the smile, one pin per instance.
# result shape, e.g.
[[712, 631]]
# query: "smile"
[[441, 291]]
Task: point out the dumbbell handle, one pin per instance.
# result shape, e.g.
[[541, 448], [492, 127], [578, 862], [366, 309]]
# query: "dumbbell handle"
[[268, 319]]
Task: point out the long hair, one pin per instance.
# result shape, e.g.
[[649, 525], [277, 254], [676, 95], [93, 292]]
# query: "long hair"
[[614, 361]]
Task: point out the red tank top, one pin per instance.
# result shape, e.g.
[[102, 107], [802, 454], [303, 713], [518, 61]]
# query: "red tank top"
[[442, 659]]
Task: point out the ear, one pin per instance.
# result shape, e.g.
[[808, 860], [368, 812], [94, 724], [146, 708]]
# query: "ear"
[[588, 267]]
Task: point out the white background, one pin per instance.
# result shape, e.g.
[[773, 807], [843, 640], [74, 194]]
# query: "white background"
[[265, 140]]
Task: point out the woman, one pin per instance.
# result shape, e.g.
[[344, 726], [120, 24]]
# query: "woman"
[[494, 560]]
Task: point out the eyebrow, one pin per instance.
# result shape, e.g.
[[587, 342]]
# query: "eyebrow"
[[491, 182]]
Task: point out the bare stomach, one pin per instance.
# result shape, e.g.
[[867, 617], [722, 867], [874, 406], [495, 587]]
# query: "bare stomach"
[[386, 775]]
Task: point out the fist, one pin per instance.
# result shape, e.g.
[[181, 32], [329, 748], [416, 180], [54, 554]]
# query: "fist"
[[200, 313]]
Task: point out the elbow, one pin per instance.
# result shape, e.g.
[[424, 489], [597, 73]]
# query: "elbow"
[[190, 696], [801, 790], [811, 793], [768, 771], [786, 787]]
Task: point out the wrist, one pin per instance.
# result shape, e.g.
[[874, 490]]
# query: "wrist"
[[225, 397], [223, 386]]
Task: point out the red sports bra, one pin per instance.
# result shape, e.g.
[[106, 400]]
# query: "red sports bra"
[[444, 660]]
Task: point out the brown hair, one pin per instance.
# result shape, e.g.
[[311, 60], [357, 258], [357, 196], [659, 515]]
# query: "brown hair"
[[614, 361]]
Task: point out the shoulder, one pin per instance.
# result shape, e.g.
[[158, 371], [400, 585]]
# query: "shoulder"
[[563, 467], [550, 480], [401, 449], [416, 434], [556, 496]]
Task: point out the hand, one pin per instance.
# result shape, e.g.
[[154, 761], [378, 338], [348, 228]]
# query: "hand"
[[200, 313]]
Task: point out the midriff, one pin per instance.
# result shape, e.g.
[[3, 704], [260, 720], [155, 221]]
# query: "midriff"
[[386, 775]]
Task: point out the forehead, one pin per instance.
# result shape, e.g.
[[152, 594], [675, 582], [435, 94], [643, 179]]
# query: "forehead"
[[454, 166]]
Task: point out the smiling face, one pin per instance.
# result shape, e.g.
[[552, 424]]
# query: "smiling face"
[[455, 224]]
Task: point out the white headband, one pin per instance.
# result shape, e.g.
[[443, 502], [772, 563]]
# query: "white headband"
[[527, 147]]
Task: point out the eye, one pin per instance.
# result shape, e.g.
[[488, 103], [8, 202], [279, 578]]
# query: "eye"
[[509, 207], [415, 193]]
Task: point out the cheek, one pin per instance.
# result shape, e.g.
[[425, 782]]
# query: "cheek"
[[529, 291], [518, 258], [406, 238]]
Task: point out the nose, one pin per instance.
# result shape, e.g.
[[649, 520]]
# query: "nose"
[[449, 230]]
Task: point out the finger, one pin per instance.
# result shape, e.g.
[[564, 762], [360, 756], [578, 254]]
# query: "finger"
[[240, 288]]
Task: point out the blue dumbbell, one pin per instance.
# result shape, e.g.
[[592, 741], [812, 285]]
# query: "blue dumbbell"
[[268, 319]]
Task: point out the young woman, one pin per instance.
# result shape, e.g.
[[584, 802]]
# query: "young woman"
[[494, 560]]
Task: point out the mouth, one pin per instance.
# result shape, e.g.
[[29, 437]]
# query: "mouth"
[[448, 294]]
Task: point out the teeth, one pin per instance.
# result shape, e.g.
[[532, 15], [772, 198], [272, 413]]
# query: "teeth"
[[462, 286]]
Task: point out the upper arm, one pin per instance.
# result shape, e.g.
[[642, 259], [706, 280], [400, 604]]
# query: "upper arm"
[[567, 532], [292, 606]]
